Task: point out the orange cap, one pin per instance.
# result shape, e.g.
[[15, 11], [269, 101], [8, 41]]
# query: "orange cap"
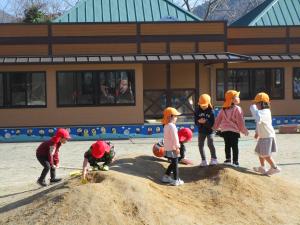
[[168, 112], [204, 100], [262, 97], [229, 95]]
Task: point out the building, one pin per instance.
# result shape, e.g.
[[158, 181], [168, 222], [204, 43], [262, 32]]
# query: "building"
[[103, 79]]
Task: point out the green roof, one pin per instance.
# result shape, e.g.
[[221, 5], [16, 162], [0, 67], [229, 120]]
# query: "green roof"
[[87, 11], [272, 13]]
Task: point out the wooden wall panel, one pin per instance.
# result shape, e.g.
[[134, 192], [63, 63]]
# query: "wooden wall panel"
[[94, 30], [22, 30], [257, 49], [211, 46], [98, 49], [295, 48], [182, 28], [182, 47], [155, 76], [294, 31], [153, 48], [183, 75], [254, 32], [23, 50]]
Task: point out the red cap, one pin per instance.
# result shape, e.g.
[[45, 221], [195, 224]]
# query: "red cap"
[[185, 134], [99, 148], [62, 133]]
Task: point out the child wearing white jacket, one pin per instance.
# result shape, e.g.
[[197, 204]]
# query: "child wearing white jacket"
[[265, 133]]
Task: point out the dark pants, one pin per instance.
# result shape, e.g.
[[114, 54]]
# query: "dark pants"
[[46, 164], [173, 167], [231, 140]]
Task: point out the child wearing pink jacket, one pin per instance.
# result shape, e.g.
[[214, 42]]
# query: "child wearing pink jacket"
[[230, 121], [172, 145]]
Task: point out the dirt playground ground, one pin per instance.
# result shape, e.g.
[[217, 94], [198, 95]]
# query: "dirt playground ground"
[[131, 192]]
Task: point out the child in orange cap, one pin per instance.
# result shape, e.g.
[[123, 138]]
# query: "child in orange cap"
[[100, 151], [48, 155], [172, 145], [205, 119], [231, 122], [265, 133]]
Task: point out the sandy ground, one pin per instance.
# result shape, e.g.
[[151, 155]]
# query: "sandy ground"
[[208, 191]]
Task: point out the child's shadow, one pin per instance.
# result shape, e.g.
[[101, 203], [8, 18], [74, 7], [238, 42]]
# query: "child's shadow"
[[154, 168]]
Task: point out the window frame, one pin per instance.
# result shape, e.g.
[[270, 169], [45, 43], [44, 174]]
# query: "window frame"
[[294, 73], [251, 72], [96, 95], [7, 93]]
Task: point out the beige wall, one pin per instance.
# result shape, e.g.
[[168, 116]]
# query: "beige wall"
[[287, 106], [183, 75], [74, 115]]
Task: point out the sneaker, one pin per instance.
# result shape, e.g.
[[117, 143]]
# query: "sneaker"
[[213, 162], [42, 183], [177, 182], [227, 162], [272, 171], [55, 180], [260, 169], [166, 179], [203, 163], [235, 164], [104, 168]]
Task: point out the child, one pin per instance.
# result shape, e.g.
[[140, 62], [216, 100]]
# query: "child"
[[184, 135], [204, 119], [265, 133], [171, 144], [48, 155], [230, 121], [100, 151]]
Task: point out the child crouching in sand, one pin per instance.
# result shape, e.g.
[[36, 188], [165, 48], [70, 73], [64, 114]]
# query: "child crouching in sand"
[[265, 133]]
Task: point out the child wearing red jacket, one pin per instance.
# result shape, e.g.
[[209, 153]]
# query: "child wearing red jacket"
[[48, 155]]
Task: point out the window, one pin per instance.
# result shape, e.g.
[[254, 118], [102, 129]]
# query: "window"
[[296, 83], [1, 90], [96, 88], [22, 89], [251, 81]]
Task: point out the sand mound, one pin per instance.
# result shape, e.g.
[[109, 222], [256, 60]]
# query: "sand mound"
[[131, 193]]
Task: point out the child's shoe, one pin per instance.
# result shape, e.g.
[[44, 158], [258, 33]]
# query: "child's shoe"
[[235, 164], [42, 183], [166, 179], [260, 169], [177, 182], [104, 168], [227, 162], [55, 180], [213, 162], [272, 171], [203, 163]]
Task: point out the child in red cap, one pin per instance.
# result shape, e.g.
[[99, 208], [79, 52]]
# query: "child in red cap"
[[100, 151], [48, 155], [184, 135]]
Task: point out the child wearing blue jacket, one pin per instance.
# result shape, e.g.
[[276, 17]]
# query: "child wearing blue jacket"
[[204, 120]]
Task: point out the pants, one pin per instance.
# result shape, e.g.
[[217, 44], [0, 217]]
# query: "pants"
[[210, 144], [173, 167], [231, 140], [46, 164]]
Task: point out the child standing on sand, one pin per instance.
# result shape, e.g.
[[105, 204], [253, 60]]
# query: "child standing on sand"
[[172, 145], [265, 133]]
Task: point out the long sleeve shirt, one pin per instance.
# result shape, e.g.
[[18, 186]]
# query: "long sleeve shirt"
[[263, 119], [49, 149], [171, 140], [231, 119], [208, 115]]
